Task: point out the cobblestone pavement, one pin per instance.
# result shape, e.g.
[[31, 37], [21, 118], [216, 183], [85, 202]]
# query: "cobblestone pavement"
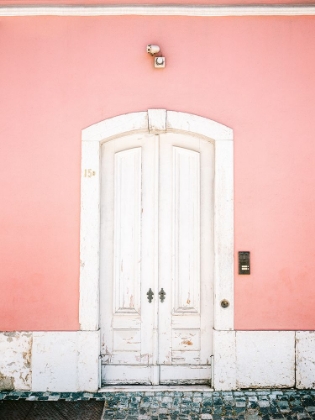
[[247, 405], [183, 405]]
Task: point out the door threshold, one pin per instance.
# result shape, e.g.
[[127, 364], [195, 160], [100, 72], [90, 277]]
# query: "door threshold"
[[156, 388]]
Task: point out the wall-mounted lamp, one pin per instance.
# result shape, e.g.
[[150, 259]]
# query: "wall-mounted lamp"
[[159, 62]]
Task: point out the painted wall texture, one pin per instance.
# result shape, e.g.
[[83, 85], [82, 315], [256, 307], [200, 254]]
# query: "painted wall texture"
[[60, 75]]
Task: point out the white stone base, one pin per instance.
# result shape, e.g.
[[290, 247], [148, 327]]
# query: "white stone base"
[[224, 361], [65, 361], [263, 359], [50, 361], [69, 361], [305, 359]]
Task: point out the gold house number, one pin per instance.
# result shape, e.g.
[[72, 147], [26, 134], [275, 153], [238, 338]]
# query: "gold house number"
[[88, 173]]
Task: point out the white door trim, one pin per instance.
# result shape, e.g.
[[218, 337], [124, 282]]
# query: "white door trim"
[[161, 10], [158, 120]]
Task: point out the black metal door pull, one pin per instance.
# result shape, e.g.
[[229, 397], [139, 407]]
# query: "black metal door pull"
[[162, 294], [150, 295]]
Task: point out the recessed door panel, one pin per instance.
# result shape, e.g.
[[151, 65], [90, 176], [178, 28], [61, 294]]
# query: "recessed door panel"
[[127, 233], [186, 230]]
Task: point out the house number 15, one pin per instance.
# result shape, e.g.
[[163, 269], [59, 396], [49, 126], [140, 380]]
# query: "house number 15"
[[88, 173]]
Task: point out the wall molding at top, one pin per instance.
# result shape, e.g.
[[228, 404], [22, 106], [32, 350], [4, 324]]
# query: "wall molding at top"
[[160, 10]]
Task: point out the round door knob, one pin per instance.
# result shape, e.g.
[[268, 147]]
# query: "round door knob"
[[225, 303]]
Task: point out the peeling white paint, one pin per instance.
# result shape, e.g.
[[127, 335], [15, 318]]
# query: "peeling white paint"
[[265, 359], [15, 360], [305, 359]]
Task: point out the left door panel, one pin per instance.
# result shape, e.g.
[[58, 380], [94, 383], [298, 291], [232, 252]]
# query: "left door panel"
[[128, 259]]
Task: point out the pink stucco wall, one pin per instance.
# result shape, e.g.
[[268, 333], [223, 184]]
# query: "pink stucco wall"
[[60, 75]]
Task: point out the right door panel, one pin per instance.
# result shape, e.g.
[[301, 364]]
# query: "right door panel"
[[185, 258]]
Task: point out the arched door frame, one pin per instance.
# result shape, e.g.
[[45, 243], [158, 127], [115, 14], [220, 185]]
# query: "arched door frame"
[[156, 121]]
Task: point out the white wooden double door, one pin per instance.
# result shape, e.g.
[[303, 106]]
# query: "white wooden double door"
[[156, 233]]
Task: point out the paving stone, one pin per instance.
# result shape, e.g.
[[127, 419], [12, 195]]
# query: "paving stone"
[[228, 413], [262, 392], [227, 397], [264, 411], [307, 402], [217, 401], [284, 406], [302, 416], [163, 411], [252, 417], [240, 403], [195, 406], [31, 398], [185, 410], [53, 398], [296, 403], [111, 414], [264, 403], [207, 402], [240, 411], [284, 397], [217, 410], [296, 410], [216, 417], [252, 404]]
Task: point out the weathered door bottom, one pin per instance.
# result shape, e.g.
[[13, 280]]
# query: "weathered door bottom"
[[155, 388]]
